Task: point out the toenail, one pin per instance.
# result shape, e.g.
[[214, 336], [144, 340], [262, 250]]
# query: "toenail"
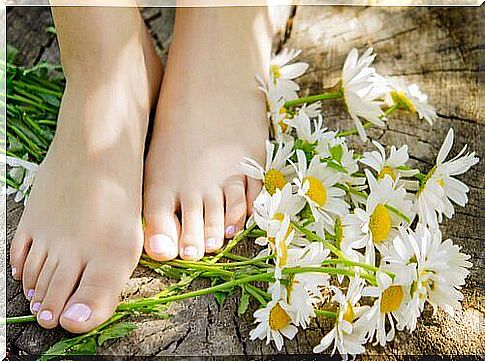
[[212, 243], [78, 312], [14, 271], [30, 294], [35, 307], [46, 316], [161, 244], [190, 252], [230, 231]]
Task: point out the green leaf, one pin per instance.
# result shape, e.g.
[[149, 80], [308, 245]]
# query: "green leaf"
[[118, 330], [220, 297], [336, 152], [244, 302], [11, 53]]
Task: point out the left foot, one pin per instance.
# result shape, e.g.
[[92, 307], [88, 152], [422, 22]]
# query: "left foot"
[[210, 116]]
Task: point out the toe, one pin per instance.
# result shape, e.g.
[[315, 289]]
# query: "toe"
[[235, 194], [59, 289], [162, 227], [252, 190], [214, 221], [32, 267], [18, 253], [42, 284], [192, 245], [96, 297]]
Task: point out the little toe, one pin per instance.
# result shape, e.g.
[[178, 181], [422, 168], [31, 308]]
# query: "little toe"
[[235, 194], [59, 289], [192, 245], [95, 299], [18, 253], [252, 190], [214, 221], [41, 287], [32, 267]]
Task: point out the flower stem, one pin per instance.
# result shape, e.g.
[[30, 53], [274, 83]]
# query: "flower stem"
[[328, 270], [313, 99], [18, 319], [324, 313], [313, 237]]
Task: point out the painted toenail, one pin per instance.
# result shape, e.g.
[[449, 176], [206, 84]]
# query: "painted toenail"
[[211, 243], [230, 231], [14, 271], [46, 316], [190, 252], [35, 307], [161, 244], [78, 312], [30, 294]]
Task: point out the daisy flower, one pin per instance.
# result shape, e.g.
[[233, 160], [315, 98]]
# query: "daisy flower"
[[362, 89], [436, 271], [276, 172], [304, 129], [316, 183], [22, 172], [394, 165], [439, 189], [390, 304], [274, 320], [348, 334], [282, 71], [386, 209], [411, 99]]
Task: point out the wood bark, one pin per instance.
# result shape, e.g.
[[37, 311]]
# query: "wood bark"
[[439, 49]]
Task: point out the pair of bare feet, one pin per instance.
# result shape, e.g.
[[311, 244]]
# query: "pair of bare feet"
[[81, 234]]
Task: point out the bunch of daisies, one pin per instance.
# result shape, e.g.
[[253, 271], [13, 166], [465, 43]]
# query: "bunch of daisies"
[[354, 237]]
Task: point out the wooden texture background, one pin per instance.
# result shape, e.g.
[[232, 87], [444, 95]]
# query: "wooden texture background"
[[438, 48]]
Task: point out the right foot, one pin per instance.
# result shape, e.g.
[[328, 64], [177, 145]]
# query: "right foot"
[[80, 236]]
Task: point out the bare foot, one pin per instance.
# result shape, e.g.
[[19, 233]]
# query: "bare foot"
[[210, 115], [80, 236]]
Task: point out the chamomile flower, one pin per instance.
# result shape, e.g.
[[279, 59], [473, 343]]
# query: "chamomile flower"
[[394, 165], [316, 183], [274, 319], [306, 130], [386, 209], [362, 90], [390, 304], [23, 172], [348, 334], [283, 71], [411, 99], [276, 172], [439, 190]]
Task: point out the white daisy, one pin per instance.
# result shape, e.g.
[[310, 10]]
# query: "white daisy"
[[282, 72], [274, 319], [24, 173], [304, 129], [362, 89], [439, 189], [390, 304], [276, 172], [411, 99], [348, 335], [316, 182], [386, 209]]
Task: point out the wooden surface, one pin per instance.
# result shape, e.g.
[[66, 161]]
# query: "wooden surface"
[[438, 48]]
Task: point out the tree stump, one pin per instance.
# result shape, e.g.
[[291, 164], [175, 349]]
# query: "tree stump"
[[438, 48]]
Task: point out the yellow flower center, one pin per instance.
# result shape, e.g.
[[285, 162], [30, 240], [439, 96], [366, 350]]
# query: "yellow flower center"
[[440, 182], [380, 223], [275, 71], [282, 253], [387, 170], [280, 217], [391, 299], [278, 318], [274, 180], [316, 192], [406, 103], [349, 314], [281, 123]]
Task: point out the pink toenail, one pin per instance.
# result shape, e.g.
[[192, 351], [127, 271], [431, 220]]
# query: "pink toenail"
[[78, 312], [212, 243], [14, 271], [35, 307], [161, 244], [30, 294], [190, 252], [46, 316], [230, 231]]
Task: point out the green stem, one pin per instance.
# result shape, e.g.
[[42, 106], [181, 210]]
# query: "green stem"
[[314, 237], [18, 319], [324, 313], [328, 270], [313, 99]]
